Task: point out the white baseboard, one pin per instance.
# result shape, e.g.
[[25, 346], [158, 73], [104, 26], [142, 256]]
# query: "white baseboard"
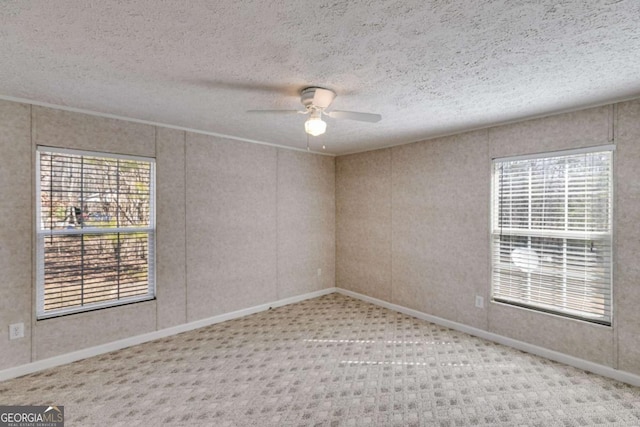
[[63, 359], [596, 368]]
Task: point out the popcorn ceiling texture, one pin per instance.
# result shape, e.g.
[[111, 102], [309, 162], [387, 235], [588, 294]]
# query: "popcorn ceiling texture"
[[429, 67]]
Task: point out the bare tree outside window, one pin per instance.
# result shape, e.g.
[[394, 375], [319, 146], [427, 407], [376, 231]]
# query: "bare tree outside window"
[[96, 230]]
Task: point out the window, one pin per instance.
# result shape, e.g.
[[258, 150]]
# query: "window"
[[551, 233], [95, 231]]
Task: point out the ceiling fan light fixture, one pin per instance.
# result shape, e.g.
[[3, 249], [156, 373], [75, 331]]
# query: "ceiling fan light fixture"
[[315, 125]]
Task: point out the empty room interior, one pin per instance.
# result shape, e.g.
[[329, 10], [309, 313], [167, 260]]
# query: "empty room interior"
[[288, 213]]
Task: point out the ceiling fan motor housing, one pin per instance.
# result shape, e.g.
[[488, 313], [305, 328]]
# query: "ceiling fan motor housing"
[[317, 97]]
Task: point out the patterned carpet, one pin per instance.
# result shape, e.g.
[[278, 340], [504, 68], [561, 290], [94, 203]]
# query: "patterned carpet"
[[329, 361]]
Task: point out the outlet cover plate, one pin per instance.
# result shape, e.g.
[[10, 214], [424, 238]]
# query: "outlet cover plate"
[[16, 330]]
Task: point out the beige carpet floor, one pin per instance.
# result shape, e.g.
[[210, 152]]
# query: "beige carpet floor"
[[329, 361]]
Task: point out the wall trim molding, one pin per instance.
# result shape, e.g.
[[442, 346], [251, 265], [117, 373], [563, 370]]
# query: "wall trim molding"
[[157, 124], [64, 359], [52, 362], [574, 109], [576, 362]]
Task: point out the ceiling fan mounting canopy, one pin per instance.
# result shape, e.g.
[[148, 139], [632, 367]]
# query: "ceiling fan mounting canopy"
[[317, 97]]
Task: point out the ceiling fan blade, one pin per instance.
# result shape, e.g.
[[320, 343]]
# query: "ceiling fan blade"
[[322, 98], [354, 115], [280, 112], [284, 89]]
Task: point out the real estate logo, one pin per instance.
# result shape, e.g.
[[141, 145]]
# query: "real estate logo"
[[31, 416]]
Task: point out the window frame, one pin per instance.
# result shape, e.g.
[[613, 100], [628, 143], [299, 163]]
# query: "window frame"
[[42, 233], [494, 231]]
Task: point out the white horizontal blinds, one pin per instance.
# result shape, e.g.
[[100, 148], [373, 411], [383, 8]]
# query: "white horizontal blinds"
[[551, 234], [95, 231]]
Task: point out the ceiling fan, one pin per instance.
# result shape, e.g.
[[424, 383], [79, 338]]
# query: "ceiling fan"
[[316, 101]]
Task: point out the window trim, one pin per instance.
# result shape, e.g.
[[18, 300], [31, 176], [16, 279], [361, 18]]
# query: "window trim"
[[40, 233], [610, 236]]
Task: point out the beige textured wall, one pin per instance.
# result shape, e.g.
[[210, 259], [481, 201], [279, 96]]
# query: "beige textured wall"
[[171, 268], [627, 273], [306, 222], [231, 225], [363, 223], [58, 128], [438, 229], [15, 230], [434, 186], [224, 231]]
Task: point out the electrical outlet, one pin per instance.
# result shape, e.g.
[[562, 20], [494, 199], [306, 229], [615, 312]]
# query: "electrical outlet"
[[16, 330], [319, 272], [479, 301]]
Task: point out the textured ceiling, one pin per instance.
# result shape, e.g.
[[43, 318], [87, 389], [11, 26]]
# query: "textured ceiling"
[[429, 67]]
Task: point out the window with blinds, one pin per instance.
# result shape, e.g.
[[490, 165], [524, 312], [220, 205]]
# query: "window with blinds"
[[95, 231], [552, 233]]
